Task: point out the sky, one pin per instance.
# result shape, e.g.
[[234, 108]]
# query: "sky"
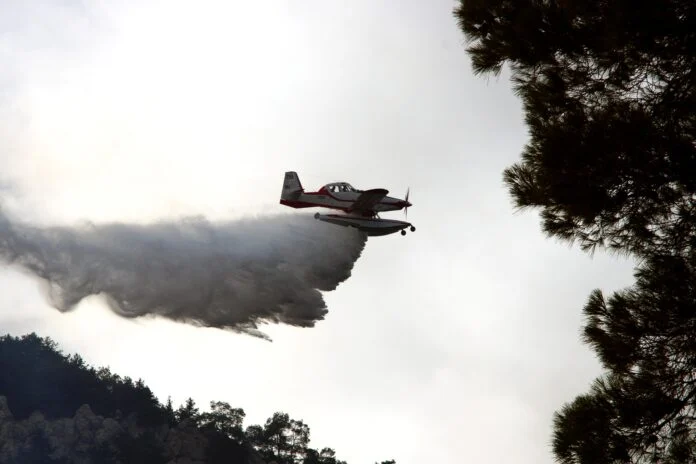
[[455, 343]]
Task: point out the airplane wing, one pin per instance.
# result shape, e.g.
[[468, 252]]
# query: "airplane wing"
[[368, 199]]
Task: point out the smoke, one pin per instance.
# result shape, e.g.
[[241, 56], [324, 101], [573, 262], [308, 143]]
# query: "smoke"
[[231, 275]]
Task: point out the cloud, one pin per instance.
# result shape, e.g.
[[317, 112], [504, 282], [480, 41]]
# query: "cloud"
[[231, 275]]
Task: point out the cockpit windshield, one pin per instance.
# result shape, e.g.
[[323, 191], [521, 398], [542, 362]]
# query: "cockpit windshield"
[[341, 187]]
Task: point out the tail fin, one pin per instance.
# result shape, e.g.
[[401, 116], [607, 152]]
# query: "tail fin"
[[291, 186]]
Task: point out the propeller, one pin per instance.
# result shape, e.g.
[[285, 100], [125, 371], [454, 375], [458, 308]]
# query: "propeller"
[[408, 190]]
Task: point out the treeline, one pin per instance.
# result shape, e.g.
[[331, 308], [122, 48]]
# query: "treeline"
[[35, 376], [609, 93]]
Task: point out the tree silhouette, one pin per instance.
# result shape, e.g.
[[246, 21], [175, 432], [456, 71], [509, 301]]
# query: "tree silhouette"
[[298, 440], [280, 440], [188, 412], [33, 360], [224, 419], [646, 404], [609, 90], [170, 414], [254, 435], [325, 456], [286, 441]]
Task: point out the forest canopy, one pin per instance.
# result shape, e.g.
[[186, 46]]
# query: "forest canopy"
[[39, 378]]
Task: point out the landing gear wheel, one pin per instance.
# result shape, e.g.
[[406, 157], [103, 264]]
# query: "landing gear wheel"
[[413, 229], [316, 215], [403, 232]]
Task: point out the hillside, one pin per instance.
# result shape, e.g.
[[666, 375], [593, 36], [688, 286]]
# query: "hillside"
[[54, 408]]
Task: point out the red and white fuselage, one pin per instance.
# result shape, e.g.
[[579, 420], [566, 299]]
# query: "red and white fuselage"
[[360, 207]]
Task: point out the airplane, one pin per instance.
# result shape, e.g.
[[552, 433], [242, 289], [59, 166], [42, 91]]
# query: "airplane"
[[362, 207]]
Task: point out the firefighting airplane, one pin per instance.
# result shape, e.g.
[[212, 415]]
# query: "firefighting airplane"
[[362, 206]]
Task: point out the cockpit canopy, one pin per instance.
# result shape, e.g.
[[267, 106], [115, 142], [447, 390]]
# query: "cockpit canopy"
[[340, 187]]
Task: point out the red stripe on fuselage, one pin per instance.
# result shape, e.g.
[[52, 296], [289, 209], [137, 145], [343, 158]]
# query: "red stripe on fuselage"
[[305, 204], [347, 208], [328, 194]]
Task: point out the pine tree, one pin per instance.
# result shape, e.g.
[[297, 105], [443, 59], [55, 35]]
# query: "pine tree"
[[609, 92]]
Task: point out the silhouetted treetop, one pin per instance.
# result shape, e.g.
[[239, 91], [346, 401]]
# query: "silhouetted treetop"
[[609, 93], [44, 379], [609, 90], [35, 376], [646, 405]]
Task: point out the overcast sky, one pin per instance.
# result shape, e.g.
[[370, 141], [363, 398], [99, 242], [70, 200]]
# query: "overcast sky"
[[453, 344]]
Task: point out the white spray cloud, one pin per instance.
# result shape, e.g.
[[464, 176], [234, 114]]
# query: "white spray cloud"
[[231, 275]]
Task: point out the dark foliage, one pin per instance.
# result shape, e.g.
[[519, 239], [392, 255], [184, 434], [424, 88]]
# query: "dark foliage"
[[43, 379], [32, 360], [609, 90], [188, 412], [222, 450], [224, 419], [143, 449], [646, 405], [36, 451], [325, 456], [285, 441]]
